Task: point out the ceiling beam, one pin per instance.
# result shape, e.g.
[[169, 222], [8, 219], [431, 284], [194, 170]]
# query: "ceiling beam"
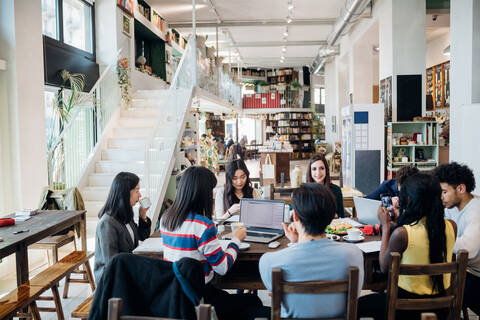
[[256, 44], [252, 23]]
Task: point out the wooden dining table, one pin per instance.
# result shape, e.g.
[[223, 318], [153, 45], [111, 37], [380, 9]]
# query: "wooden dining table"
[[245, 274], [38, 227]]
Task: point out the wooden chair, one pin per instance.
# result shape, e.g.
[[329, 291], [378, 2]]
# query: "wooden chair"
[[453, 298], [115, 311], [350, 285]]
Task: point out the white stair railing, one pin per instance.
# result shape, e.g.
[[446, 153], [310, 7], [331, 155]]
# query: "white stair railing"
[[68, 155], [159, 152]]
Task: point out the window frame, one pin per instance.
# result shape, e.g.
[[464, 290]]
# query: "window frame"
[[60, 42]]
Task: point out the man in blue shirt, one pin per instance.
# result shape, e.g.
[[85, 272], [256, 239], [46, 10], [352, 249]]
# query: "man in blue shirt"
[[312, 257], [392, 186]]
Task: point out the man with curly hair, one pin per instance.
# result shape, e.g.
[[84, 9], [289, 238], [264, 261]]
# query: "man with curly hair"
[[457, 182], [392, 186]]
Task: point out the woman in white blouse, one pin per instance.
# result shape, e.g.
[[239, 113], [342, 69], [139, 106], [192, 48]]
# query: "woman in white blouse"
[[237, 186]]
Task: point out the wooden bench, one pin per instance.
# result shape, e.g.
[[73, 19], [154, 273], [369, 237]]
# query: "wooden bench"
[[27, 293], [83, 309]]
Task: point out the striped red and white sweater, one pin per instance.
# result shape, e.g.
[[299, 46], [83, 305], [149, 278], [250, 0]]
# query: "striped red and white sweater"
[[197, 238]]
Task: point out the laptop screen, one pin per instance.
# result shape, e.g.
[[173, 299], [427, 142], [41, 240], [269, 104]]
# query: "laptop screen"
[[262, 213]]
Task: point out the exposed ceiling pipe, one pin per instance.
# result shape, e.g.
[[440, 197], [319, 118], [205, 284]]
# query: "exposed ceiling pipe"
[[353, 8]]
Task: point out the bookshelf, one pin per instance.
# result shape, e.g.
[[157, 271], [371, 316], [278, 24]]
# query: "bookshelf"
[[296, 128], [411, 143], [217, 126]]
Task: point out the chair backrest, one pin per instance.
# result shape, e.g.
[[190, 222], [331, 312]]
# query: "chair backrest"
[[452, 299], [350, 285], [115, 311]]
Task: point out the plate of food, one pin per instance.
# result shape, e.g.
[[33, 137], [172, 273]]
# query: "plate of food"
[[338, 228]]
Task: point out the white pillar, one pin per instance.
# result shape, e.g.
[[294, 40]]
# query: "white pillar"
[[331, 101], [465, 83], [402, 42], [362, 73], [23, 136]]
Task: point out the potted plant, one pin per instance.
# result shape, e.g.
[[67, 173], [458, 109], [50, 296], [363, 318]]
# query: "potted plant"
[[262, 85], [295, 85]]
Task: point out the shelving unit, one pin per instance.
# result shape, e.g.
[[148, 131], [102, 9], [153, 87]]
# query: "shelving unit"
[[189, 143], [250, 73], [296, 128], [420, 145]]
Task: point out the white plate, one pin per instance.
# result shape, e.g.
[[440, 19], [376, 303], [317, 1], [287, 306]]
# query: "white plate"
[[360, 239], [244, 246]]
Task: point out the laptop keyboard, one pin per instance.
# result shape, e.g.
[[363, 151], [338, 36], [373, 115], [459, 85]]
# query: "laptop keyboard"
[[259, 234]]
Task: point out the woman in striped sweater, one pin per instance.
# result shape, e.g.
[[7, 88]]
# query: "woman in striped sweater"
[[188, 231]]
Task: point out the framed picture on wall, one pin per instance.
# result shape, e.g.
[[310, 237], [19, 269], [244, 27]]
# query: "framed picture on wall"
[[126, 26], [446, 84]]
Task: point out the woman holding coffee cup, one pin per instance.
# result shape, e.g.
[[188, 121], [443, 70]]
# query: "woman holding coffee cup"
[[319, 172], [116, 231], [237, 186], [188, 231]]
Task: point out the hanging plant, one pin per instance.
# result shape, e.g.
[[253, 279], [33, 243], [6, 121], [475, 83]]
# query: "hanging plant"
[[64, 103], [123, 74], [295, 85]]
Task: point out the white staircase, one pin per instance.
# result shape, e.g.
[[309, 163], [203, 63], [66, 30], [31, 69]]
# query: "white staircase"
[[125, 149]]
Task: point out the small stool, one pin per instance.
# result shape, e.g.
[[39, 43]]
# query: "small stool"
[[53, 243]]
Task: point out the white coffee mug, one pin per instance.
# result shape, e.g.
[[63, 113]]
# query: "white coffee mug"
[[354, 234], [235, 225], [145, 202]]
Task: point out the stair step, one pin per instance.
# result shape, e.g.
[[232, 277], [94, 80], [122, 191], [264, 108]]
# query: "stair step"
[[128, 143], [93, 208], [137, 132], [148, 102], [141, 112], [98, 194], [137, 167], [105, 179], [148, 122], [123, 154], [148, 94]]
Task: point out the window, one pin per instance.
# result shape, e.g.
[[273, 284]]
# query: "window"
[[70, 22], [49, 21], [319, 95], [77, 24]]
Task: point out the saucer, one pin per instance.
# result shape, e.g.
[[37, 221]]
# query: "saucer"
[[345, 238], [244, 246]]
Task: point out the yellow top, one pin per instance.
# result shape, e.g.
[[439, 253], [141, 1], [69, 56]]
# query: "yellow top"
[[417, 253]]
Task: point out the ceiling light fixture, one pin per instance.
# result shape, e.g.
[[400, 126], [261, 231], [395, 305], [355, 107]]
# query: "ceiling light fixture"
[[289, 20], [290, 5], [284, 49], [285, 34]]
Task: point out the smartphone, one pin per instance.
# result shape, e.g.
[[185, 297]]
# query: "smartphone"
[[386, 200]]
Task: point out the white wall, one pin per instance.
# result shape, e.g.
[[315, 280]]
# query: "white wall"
[[24, 164], [435, 49], [331, 101]]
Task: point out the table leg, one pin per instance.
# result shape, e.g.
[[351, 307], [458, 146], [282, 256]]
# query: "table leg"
[[21, 257], [83, 232]]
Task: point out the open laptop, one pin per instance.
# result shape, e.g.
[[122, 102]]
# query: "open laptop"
[[262, 218], [367, 210]]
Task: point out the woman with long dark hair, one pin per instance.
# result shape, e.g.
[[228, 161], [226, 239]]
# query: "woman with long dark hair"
[[188, 231], [116, 231], [319, 172], [237, 186], [422, 236]]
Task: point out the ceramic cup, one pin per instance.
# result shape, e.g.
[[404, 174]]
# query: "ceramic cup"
[[235, 225], [354, 234]]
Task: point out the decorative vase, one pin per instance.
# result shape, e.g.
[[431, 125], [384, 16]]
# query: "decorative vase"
[[296, 177]]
